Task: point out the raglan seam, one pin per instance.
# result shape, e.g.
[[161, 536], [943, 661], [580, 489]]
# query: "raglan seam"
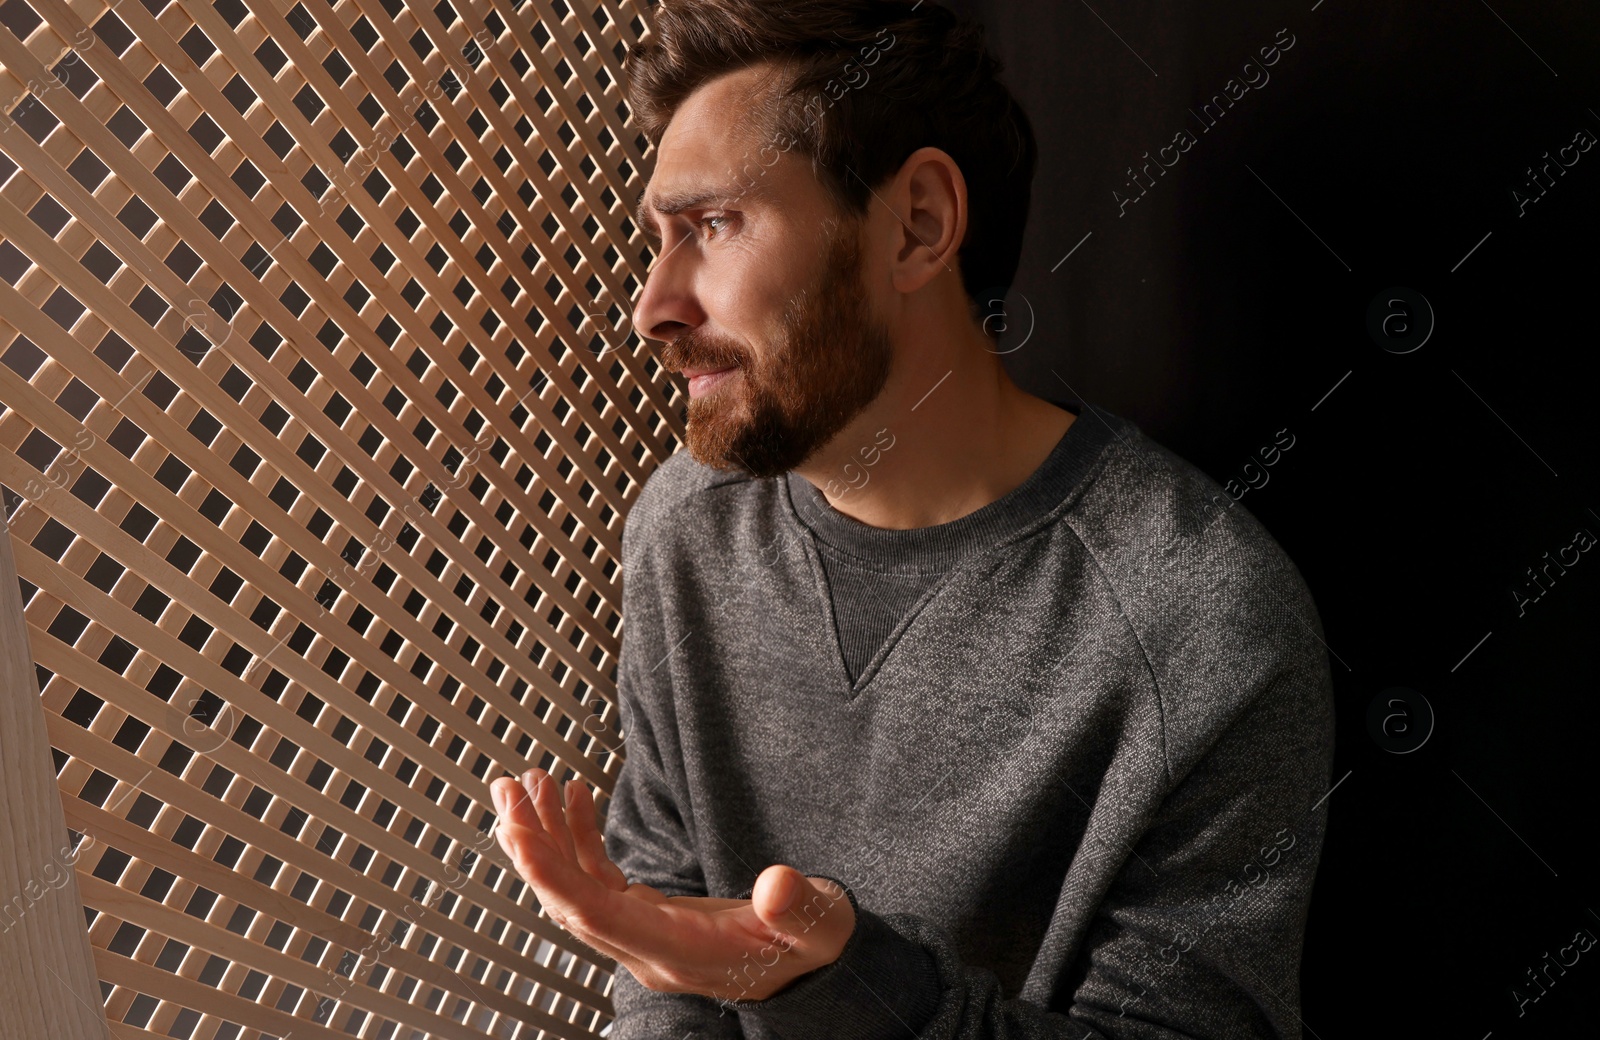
[[1144, 656]]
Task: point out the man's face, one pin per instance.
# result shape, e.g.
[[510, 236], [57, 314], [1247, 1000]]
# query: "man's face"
[[764, 279]]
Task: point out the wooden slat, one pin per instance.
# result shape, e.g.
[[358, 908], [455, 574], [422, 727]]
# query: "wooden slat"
[[47, 985], [316, 493]]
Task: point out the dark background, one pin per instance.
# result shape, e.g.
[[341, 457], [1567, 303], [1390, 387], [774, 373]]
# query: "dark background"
[[1233, 297]]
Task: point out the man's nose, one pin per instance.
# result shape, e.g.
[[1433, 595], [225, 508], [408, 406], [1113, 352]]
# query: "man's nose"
[[667, 307]]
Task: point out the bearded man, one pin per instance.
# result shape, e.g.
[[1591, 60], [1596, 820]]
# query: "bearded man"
[[951, 712]]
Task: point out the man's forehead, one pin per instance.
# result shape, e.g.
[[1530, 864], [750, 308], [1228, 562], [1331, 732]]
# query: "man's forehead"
[[712, 149], [730, 108]]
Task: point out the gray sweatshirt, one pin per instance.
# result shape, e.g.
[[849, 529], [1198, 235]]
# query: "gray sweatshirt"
[[1079, 791]]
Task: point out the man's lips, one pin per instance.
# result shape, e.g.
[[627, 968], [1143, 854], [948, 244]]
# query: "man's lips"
[[702, 380], [690, 373]]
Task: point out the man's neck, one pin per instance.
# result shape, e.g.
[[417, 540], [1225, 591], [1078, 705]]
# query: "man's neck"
[[940, 442]]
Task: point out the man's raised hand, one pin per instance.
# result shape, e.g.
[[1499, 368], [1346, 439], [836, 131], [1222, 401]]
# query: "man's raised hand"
[[736, 949]]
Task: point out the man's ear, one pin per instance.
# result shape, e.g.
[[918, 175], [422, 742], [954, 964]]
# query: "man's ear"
[[929, 200]]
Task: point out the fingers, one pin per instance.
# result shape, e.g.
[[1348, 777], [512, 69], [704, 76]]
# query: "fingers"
[[511, 801], [541, 847], [533, 808], [515, 816], [552, 814], [587, 840], [507, 835], [518, 826]]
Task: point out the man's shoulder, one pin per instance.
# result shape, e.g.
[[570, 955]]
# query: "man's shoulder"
[[674, 493], [1220, 610], [1186, 562], [1151, 514]]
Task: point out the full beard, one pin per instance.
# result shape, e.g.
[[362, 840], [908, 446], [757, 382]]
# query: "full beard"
[[778, 410]]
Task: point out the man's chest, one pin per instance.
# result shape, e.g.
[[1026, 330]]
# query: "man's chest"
[[979, 737]]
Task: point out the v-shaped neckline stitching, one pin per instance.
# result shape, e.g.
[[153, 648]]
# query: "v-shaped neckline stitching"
[[854, 690], [874, 664]]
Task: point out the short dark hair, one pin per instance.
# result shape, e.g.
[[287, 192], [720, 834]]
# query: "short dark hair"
[[862, 85]]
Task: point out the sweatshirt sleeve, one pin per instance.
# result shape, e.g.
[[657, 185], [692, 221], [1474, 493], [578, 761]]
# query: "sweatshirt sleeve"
[[646, 838], [1199, 934], [644, 829]]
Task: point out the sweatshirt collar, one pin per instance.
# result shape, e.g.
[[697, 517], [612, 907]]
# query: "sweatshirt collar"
[[939, 546]]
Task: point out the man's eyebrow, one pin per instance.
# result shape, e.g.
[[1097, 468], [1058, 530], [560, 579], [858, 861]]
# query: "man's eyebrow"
[[678, 201]]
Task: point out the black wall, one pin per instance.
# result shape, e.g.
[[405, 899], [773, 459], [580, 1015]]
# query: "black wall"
[[1228, 301]]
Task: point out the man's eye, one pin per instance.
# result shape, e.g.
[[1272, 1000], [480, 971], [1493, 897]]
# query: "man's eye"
[[706, 222]]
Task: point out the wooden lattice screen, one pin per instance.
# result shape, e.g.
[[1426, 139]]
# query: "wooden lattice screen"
[[321, 415]]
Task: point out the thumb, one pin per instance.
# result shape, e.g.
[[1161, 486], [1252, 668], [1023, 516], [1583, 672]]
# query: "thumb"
[[776, 892]]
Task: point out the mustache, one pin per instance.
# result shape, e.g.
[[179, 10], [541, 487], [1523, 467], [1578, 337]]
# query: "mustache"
[[689, 351]]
